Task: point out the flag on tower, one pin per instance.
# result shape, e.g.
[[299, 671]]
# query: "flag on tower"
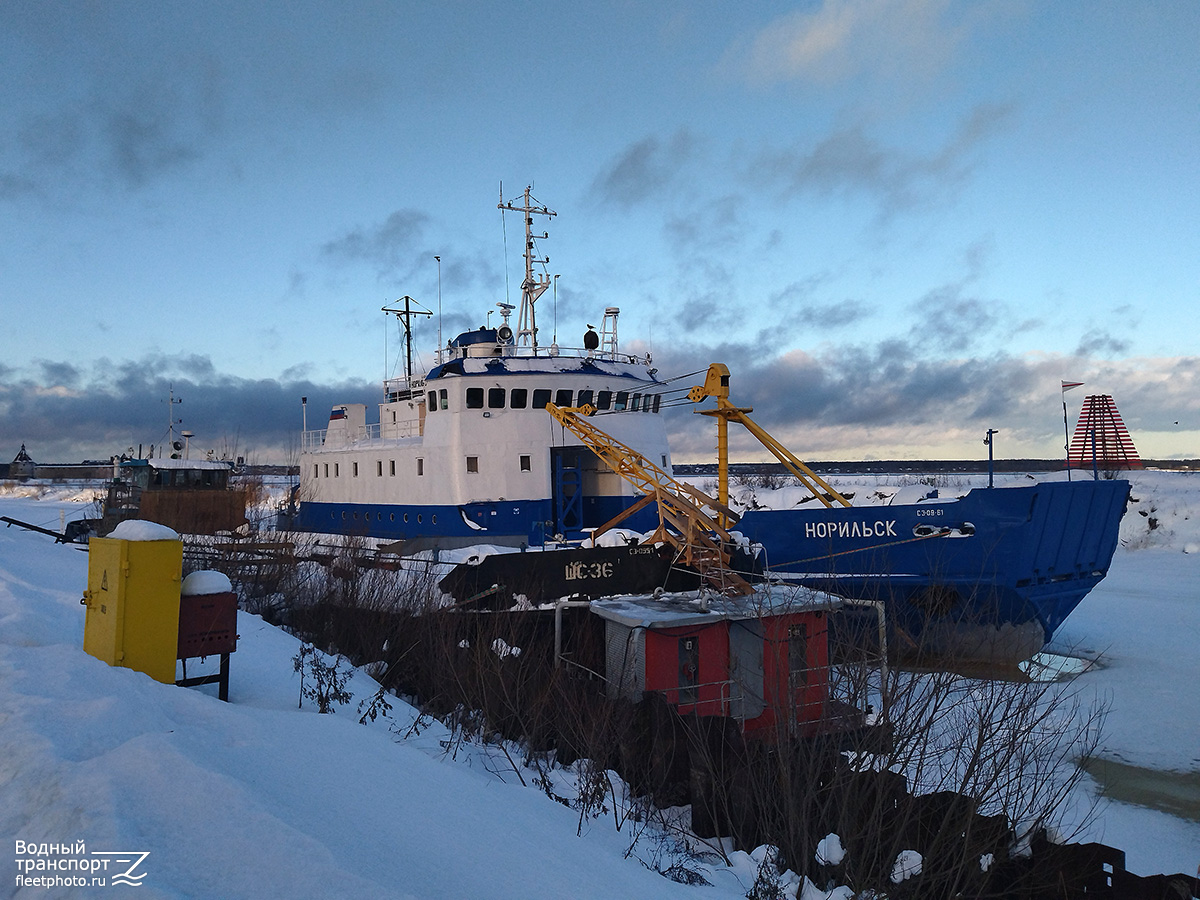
[[1067, 385]]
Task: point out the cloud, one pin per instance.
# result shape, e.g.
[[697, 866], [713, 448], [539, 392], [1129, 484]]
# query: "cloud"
[[838, 40], [389, 246], [887, 400], [121, 130], [891, 400], [117, 404], [644, 170], [950, 322], [56, 373], [1099, 342], [851, 162]]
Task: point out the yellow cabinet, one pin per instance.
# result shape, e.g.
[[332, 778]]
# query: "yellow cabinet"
[[132, 602]]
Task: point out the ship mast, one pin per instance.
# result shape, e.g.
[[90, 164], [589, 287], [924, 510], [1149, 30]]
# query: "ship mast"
[[533, 286]]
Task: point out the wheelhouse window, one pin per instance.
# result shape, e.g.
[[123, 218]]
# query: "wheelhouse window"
[[472, 464], [495, 398], [563, 399], [657, 402], [540, 398], [518, 398], [604, 400], [585, 397], [636, 403], [474, 398], [432, 404], [622, 400], [445, 401]]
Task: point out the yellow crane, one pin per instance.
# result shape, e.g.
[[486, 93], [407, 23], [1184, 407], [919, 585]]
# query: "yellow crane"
[[700, 540], [716, 385]]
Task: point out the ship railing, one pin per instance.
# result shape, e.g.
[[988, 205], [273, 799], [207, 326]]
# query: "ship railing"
[[312, 441], [520, 352], [403, 388]]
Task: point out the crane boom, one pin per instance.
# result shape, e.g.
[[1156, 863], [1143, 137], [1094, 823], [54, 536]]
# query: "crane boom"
[[699, 540]]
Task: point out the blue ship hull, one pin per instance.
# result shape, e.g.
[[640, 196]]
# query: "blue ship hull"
[[508, 523], [992, 574]]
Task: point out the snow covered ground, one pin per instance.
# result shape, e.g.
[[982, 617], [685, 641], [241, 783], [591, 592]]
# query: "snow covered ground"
[[256, 798]]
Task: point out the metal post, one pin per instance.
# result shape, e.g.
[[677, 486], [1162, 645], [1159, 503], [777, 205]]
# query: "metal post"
[[1067, 435], [439, 262], [991, 463]]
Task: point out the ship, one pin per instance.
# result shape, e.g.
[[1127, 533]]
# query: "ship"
[[465, 453]]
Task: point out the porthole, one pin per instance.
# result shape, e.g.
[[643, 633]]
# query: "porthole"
[[418, 518], [393, 517]]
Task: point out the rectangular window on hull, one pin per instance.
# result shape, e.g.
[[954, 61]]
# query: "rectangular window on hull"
[[316, 471], [540, 398], [391, 467], [474, 398], [379, 468], [420, 466], [585, 397], [354, 471], [518, 398], [604, 400], [622, 400], [496, 398], [657, 401], [472, 463], [326, 470], [337, 471], [563, 399], [636, 403], [526, 464]]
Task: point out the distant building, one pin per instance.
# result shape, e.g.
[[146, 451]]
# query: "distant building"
[[22, 466]]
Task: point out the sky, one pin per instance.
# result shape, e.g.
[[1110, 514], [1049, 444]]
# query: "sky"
[[898, 222]]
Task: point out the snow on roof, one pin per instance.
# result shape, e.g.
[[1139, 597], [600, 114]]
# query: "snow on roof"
[[168, 463], [143, 530], [205, 582], [486, 365], [690, 608]]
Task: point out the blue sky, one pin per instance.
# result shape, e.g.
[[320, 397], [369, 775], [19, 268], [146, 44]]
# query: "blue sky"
[[899, 222]]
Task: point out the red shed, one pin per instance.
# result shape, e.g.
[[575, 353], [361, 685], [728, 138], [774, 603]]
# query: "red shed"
[[747, 658]]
